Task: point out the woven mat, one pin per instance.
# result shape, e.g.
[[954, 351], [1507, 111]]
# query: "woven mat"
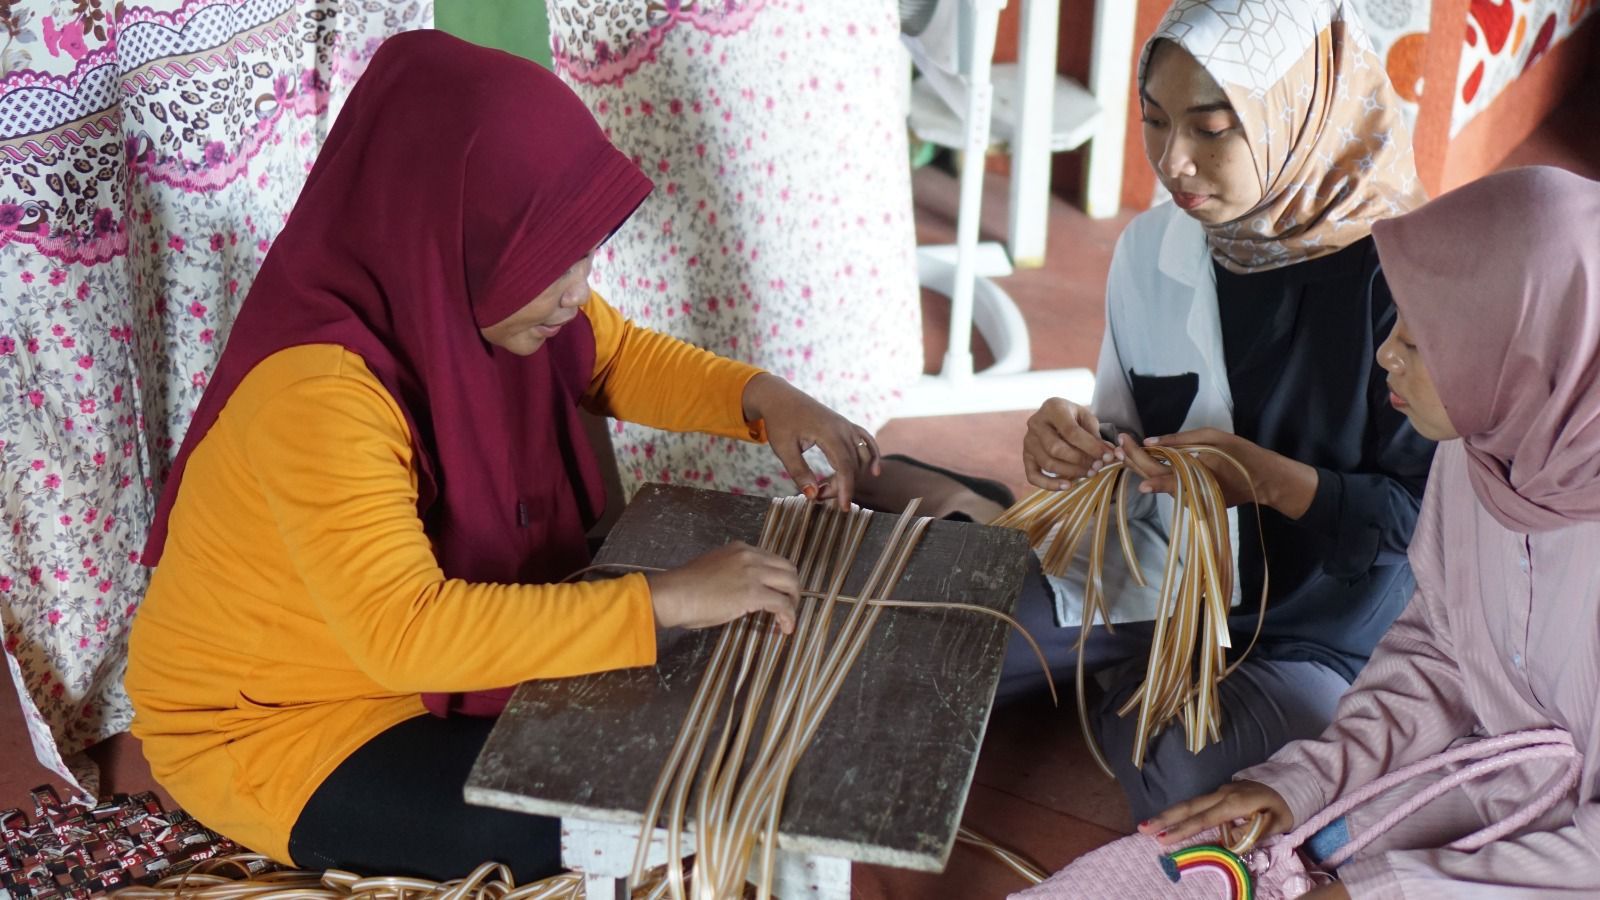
[[76, 850]]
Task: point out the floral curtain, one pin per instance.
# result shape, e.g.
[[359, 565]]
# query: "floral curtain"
[[148, 156], [780, 231]]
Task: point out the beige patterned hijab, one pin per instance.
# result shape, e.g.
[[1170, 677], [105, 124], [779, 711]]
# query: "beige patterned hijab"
[[1323, 122]]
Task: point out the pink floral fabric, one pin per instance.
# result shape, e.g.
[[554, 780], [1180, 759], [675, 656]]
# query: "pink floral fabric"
[[780, 231], [148, 156]]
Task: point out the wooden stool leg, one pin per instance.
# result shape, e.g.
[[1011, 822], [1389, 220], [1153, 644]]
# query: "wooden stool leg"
[[605, 887], [800, 877]]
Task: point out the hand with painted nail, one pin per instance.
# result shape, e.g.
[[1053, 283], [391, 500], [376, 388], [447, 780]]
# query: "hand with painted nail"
[[1062, 445], [1269, 479], [796, 423], [1236, 802]]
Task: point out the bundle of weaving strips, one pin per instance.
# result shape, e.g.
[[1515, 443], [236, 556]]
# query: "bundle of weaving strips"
[[1190, 641], [766, 692]]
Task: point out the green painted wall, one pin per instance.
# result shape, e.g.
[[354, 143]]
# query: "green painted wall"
[[515, 25]]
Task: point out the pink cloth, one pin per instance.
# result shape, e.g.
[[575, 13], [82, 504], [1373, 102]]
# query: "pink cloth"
[[1503, 633]]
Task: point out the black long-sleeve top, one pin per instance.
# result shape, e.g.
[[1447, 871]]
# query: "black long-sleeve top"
[[1284, 358], [1299, 344]]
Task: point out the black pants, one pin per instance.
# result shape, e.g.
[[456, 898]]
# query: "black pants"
[[395, 807]]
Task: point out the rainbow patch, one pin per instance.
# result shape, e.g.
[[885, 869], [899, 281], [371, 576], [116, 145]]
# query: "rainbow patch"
[[1209, 858]]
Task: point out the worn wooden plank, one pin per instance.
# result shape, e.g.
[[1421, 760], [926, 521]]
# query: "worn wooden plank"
[[887, 775]]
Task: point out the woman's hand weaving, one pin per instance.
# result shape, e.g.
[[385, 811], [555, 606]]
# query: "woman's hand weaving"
[[1273, 480], [1062, 445], [724, 584], [796, 423]]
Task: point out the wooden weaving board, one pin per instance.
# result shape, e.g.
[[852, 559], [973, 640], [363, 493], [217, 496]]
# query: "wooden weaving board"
[[886, 777]]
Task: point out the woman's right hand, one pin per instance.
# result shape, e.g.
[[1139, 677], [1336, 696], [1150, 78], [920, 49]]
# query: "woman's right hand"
[[723, 585], [1062, 445], [1231, 802]]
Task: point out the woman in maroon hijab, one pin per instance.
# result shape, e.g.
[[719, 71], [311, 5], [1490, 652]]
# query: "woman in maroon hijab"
[[387, 478]]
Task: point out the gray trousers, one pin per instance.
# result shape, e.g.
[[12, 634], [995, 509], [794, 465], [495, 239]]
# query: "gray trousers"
[[1265, 703]]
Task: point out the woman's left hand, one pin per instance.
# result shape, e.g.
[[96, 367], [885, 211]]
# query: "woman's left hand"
[[796, 423], [1236, 801], [1274, 480]]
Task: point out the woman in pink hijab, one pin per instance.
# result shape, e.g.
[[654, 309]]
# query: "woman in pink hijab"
[[1496, 353]]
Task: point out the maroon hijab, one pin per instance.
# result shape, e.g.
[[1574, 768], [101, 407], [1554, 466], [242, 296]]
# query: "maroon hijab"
[[457, 184]]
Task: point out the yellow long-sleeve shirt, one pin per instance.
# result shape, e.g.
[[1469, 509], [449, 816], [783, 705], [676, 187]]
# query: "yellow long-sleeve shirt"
[[298, 610]]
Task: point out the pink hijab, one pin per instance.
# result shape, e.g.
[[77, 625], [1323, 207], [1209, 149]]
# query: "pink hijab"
[[1499, 282]]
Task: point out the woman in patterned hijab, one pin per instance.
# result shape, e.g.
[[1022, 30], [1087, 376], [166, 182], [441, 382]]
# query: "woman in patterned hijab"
[[1244, 315], [1317, 115]]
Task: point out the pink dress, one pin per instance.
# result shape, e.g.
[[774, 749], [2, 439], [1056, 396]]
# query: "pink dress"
[[1502, 635]]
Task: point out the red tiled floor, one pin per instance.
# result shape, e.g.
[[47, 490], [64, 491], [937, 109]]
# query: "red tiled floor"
[[18, 771], [1063, 303], [122, 766]]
